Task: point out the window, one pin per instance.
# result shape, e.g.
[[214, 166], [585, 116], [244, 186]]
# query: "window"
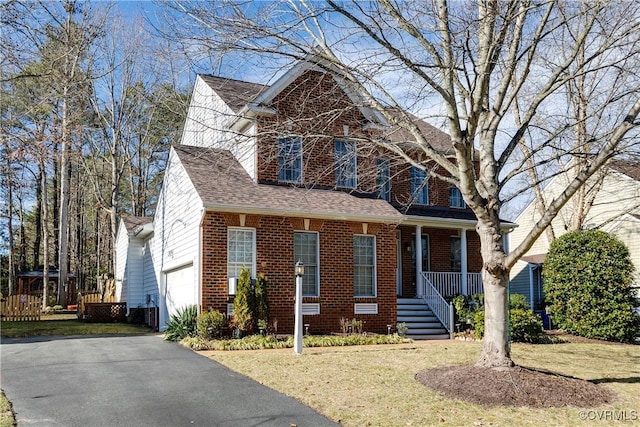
[[455, 198], [290, 159], [305, 249], [383, 183], [345, 152], [456, 254], [364, 267], [419, 186], [240, 251]]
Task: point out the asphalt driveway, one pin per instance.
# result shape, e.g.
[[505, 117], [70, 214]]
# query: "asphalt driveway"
[[135, 381]]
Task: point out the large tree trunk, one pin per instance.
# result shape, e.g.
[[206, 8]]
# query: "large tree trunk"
[[63, 240], [495, 278], [45, 235]]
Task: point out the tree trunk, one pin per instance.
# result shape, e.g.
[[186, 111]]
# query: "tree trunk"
[[45, 235], [496, 352], [65, 167], [11, 260]]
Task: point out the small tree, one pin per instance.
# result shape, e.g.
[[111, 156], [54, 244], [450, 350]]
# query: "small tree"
[[587, 282], [244, 302], [262, 303]]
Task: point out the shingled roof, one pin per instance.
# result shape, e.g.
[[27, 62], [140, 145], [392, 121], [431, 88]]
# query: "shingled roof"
[[224, 185], [235, 93], [133, 222], [627, 167]]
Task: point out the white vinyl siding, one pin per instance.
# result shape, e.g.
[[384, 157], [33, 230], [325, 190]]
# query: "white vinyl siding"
[[306, 250], [241, 251], [364, 266]]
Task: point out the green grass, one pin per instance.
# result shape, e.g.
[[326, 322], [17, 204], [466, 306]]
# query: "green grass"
[[6, 414], [66, 327], [375, 385]]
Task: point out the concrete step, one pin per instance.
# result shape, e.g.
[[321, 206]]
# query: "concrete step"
[[429, 337]]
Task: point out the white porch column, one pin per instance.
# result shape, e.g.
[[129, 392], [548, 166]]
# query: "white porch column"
[[463, 260], [419, 285]]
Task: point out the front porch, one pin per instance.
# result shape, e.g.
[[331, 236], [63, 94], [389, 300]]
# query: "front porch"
[[436, 262]]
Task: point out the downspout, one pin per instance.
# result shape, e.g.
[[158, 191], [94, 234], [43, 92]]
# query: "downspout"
[[531, 283], [199, 258]]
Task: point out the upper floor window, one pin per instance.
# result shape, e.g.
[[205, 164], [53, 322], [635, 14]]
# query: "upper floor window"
[[419, 186], [305, 249], [290, 159], [364, 266], [383, 183], [345, 153], [455, 198]]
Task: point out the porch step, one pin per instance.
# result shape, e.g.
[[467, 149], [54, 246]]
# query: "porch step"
[[421, 322]]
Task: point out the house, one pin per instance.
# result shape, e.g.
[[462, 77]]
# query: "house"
[[269, 175], [615, 209]]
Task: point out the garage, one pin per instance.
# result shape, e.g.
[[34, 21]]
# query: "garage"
[[181, 290]]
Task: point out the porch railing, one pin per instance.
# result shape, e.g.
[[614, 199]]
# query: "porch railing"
[[440, 307], [450, 284]]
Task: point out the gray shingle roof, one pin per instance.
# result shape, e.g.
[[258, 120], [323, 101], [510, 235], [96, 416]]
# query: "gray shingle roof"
[[223, 184], [627, 167], [133, 222], [235, 93]]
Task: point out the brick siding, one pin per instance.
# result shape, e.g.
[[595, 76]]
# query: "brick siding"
[[274, 258]]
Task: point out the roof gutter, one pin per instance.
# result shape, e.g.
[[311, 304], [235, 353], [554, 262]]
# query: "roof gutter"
[[307, 214], [437, 222]]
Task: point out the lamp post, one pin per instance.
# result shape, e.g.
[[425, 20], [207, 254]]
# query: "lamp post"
[[297, 330]]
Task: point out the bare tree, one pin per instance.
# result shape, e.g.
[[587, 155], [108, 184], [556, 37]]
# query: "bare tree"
[[464, 66]]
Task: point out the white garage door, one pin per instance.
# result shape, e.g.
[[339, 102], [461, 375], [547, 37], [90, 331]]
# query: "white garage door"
[[181, 289]]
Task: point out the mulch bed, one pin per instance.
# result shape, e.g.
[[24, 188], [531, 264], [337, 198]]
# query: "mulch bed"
[[517, 386]]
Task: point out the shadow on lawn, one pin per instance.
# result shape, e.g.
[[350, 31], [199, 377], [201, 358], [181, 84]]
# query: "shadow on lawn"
[[629, 380]]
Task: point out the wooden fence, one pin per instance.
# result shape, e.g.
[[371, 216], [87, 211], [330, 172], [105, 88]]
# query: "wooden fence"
[[99, 307], [20, 308]]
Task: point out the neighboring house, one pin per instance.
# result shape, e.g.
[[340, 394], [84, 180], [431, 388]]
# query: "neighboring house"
[[269, 175], [615, 209]]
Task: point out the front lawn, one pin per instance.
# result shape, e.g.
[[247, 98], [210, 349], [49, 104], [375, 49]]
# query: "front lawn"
[[376, 385], [71, 326]]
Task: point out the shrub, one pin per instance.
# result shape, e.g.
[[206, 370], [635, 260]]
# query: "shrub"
[[261, 300], [210, 324], [182, 324], [587, 284], [250, 305], [525, 326], [244, 302]]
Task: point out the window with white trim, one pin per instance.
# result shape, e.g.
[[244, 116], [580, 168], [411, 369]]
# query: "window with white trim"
[[345, 154], [419, 186], [241, 251], [383, 182], [290, 159], [455, 198], [306, 249], [364, 266]]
